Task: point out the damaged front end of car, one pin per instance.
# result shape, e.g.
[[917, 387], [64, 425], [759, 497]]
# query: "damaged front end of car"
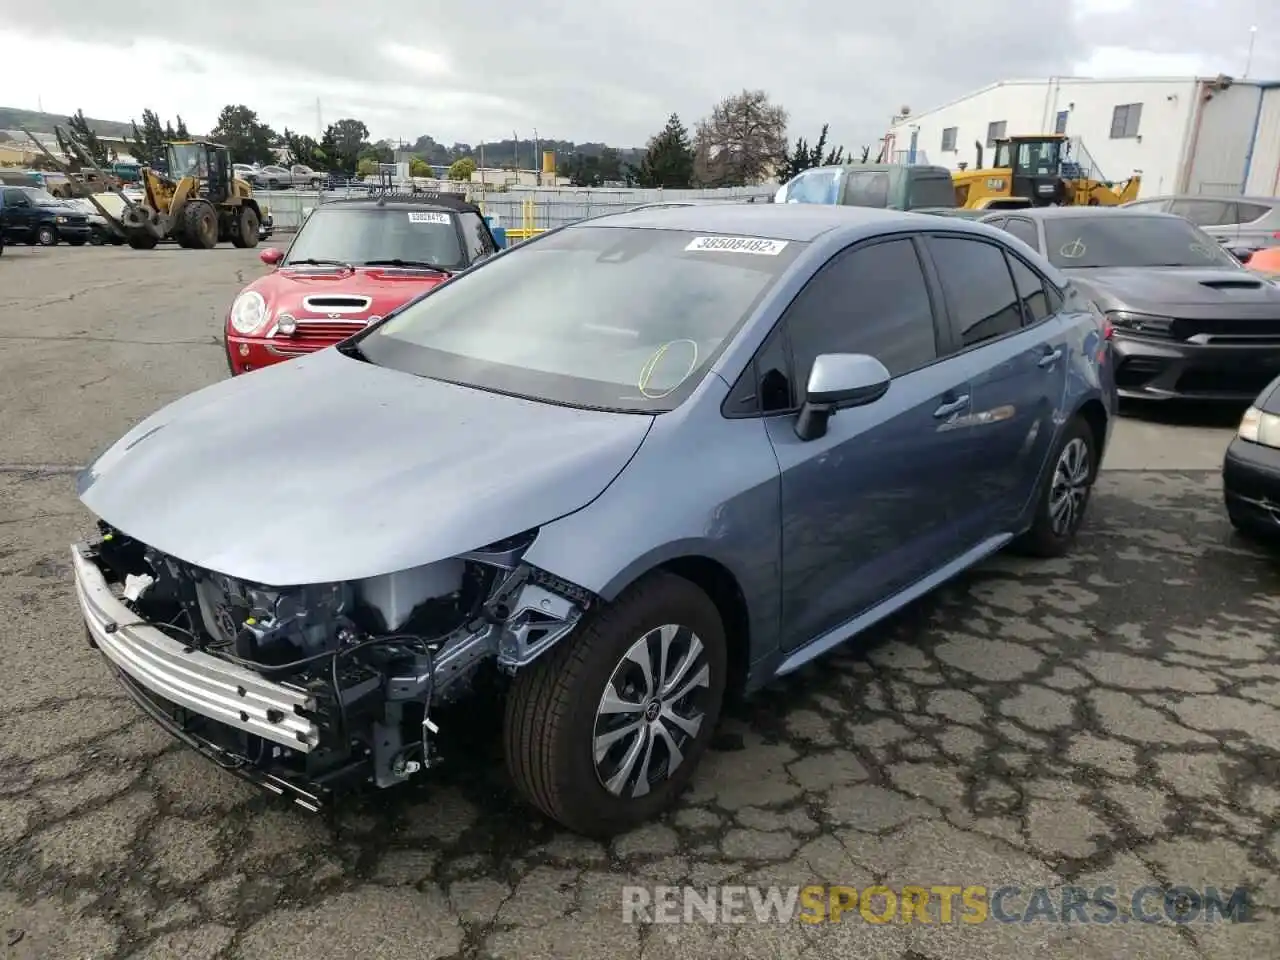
[[313, 689]]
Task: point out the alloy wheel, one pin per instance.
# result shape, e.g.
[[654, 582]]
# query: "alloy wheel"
[[653, 706], [1070, 487]]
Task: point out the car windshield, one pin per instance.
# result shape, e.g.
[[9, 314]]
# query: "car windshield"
[[40, 196], [612, 318], [359, 235], [1073, 243]]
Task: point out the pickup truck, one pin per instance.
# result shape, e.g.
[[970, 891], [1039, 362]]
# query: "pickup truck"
[[33, 215]]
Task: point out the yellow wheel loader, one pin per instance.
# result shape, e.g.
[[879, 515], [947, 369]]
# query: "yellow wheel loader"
[[1041, 170], [198, 202]]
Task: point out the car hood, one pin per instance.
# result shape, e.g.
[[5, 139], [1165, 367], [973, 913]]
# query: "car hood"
[[326, 468], [287, 291], [1183, 291]]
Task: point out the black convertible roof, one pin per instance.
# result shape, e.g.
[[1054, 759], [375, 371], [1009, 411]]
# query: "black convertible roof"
[[404, 201]]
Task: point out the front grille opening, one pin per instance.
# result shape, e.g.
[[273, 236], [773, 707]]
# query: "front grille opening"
[[1137, 371], [337, 303]]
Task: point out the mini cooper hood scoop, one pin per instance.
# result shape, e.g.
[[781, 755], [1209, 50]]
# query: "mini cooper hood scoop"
[[326, 468]]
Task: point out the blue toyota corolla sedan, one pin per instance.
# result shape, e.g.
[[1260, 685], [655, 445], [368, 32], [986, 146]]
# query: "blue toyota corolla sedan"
[[616, 472]]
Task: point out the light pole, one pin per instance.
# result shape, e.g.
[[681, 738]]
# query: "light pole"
[[1248, 60]]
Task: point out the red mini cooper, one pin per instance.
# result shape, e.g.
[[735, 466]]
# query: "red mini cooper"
[[351, 263]]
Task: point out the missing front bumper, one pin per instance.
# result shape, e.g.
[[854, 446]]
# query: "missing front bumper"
[[214, 688]]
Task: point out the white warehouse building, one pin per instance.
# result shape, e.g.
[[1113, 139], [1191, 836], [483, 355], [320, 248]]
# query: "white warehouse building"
[[1184, 135]]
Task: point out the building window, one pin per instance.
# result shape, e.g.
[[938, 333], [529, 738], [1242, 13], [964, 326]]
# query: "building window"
[[949, 138], [1124, 121], [1060, 125], [995, 131]]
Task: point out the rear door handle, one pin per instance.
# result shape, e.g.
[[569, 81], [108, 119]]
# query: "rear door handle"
[[953, 406], [1049, 359]]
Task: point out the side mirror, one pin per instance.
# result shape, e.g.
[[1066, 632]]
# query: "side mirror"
[[271, 256], [838, 381]]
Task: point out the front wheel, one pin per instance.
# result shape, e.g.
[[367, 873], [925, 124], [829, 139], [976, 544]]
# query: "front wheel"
[[1064, 494], [46, 236], [605, 730]]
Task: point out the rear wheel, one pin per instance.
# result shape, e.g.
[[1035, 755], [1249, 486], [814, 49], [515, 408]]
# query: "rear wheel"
[[199, 225], [605, 730], [245, 231], [1064, 493]]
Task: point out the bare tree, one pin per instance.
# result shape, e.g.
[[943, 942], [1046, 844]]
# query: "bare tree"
[[744, 141]]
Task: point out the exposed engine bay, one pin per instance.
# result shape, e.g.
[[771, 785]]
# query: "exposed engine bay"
[[370, 659]]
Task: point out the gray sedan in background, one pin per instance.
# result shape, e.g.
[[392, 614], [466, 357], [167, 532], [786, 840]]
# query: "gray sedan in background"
[[1188, 320]]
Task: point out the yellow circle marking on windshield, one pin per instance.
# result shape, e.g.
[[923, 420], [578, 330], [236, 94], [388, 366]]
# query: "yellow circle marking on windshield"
[[1073, 250], [646, 372]]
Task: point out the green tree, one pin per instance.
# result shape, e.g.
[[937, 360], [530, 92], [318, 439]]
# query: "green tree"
[[462, 169], [804, 157], [248, 139], [420, 168], [84, 137], [668, 161], [147, 142], [182, 133], [343, 143], [301, 149], [368, 167]]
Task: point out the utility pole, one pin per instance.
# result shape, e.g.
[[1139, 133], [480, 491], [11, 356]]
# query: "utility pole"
[[537, 158], [1248, 62]]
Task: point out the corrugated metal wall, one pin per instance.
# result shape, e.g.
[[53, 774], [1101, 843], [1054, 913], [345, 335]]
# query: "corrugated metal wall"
[[1222, 143], [1264, 168]]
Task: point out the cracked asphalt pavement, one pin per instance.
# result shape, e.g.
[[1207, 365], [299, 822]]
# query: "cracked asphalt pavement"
[[1112, 718]]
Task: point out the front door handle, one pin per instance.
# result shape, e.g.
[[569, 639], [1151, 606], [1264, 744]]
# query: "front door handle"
[[952, 406], [1049, 359]]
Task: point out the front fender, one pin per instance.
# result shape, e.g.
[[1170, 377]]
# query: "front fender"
[[701, 486]]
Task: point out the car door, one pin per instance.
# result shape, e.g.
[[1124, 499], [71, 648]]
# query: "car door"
[[19, 213], [1014, 351], [865, 508]]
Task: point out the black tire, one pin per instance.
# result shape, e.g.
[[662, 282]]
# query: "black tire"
[[1253, 531], [1045, 538], [551, 710], [142, 241], [97, 239], [245, 232], [46, 235], [199, 225]]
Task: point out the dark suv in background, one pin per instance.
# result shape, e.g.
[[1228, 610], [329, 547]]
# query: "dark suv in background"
[[33, 215]]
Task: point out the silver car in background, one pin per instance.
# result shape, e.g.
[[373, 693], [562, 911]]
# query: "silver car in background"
[[1248, 223]]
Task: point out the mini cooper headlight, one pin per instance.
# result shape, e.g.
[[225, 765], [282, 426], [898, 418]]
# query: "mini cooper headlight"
[[248, 312]]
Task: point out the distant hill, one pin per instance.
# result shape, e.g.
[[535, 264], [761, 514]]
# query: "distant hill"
[[11, 118]]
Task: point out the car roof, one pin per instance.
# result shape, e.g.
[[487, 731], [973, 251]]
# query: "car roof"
[[406, 201], [798, 222]]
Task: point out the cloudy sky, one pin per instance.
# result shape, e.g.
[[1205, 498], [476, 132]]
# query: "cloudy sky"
[[478, 72]]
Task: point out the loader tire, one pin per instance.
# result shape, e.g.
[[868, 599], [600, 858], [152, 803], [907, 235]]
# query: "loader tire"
[[143, 241], [199, 227], [245, 231]]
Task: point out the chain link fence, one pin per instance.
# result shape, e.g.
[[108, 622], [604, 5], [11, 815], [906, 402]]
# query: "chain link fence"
[[525, 209]]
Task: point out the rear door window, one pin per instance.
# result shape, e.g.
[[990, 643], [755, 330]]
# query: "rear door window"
[[1205, 213], [931, 191], [980, 295], [867, 189], [1024, 230], [1031, 292], [1250, 212]]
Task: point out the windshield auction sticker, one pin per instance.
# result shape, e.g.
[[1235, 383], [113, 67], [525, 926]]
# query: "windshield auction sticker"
[[757, 245], [427, 216]]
